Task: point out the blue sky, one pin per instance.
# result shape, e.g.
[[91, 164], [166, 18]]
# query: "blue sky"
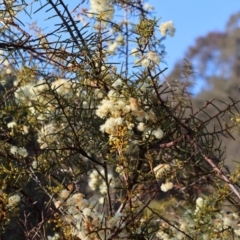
[[192, 19]]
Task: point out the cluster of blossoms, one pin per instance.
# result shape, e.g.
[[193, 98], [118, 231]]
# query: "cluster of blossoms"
[[46, 135], [202, 223], [56, 236], [160, 172], [38, 99], [119, 110], [96, 181], [148, 7], [6, 64], [166, 186], [6, 16], [37, 95], [149, 59], [103, 9], [9, 205], [167, 28], [20, 151], [13, 200], [86, 222], [35, 91], [113, 45]]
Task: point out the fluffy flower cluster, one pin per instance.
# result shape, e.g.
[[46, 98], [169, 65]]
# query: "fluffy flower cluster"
[[86, 222], [20, 151], [38, 98], [166, 186], [158, 133], [97, 182], [167, 28], [102, 8], [148, 7], [46, 135], [150, 59], [115, 104], [161, 169], [36, 95], [113, 45], [110, 124], [116, 107], [199, 204], [34, 92], [135, 52], [11, 124], [13, 200], [6, 64], [56, 236], [153, 56]]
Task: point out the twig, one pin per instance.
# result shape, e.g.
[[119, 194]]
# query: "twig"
[[215, 168]]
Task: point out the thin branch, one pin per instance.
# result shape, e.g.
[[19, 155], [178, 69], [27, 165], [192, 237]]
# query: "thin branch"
[[215, 168]]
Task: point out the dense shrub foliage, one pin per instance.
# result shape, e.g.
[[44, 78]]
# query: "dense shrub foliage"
[[95, 142]]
